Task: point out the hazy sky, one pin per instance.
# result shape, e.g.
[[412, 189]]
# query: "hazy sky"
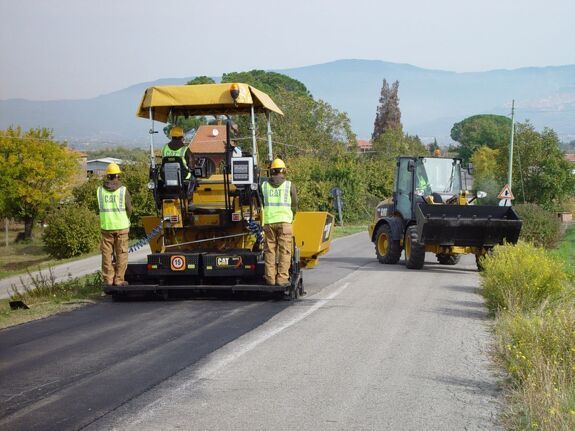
[[67, 49]]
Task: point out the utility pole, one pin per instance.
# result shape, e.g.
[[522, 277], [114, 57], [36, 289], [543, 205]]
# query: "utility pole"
[[510, 169]]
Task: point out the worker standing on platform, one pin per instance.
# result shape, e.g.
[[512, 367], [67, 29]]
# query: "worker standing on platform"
[[115, 207], [280, 205]]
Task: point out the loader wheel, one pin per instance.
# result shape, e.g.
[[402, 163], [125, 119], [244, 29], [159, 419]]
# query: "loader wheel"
[[448, 259], [479, 259], [414, 251], [386, 249]]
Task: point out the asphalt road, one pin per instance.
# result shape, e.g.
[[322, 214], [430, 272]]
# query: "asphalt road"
[[371, 347]]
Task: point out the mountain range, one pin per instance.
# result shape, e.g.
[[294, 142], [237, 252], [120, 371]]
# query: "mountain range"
[[431, 101]]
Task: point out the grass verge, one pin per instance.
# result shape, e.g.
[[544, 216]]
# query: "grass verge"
[[530, 291], [46, 297], [566, 249], [349, 230]]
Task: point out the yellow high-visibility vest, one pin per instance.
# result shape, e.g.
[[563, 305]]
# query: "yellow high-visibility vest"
[[180, 153], [277, 203], [112, 207]]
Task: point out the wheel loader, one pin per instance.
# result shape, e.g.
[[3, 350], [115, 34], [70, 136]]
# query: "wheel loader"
[[207, 234], [431, 211]]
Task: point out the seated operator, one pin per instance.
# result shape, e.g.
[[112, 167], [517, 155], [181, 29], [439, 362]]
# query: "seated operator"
[[176, 148]]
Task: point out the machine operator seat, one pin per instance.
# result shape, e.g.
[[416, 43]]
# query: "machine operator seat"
[[172, 181]]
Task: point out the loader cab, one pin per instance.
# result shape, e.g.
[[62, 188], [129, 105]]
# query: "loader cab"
[[425, 179]]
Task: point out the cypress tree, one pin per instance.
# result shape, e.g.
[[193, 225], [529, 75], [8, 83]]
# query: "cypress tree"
[[388, 115]]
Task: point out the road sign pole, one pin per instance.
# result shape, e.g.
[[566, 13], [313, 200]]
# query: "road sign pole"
[[510, 169]]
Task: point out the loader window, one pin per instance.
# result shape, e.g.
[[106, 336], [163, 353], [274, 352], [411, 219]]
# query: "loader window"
[[442, 175], [404, 183]]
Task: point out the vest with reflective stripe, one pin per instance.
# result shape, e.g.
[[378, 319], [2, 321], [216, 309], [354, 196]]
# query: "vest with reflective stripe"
[[277, 203], [180, 153], [112, 206]]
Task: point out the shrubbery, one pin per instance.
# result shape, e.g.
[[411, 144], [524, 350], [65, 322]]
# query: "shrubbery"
[[538, 350], [364, 181], [528, 288], [521, 277], [72, 230], [541, 227]]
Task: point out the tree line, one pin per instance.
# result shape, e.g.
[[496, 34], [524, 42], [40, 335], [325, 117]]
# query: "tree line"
[[41, 177]]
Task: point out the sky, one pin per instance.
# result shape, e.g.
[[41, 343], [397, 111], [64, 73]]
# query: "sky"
[[75, 49]]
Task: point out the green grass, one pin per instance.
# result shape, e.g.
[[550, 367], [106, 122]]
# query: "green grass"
[[349, 230], [47, 297], [566, 248]]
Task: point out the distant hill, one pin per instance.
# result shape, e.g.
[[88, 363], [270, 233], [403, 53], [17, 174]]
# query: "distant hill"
[[430, 100]]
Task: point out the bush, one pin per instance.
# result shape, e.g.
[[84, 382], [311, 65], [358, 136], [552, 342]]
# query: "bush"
[[521, 277], [85, 193], [72, 230], [540, 227], [538, 350], [135, 177]]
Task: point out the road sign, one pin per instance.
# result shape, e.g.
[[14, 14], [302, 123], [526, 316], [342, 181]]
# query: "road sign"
[[505, 193]]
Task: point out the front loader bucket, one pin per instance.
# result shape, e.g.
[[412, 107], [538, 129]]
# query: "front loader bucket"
[[467, 225]]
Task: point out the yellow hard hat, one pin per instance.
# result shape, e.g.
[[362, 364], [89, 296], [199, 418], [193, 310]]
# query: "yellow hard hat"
[[278, 164], [176, 132], [113, 169]]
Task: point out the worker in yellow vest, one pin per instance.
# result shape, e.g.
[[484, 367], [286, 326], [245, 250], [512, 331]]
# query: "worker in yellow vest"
[[280, 205], [177, 148], [115, 208]]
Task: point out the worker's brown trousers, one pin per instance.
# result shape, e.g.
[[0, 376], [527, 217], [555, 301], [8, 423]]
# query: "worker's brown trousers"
[[114, 242], [278, 249]]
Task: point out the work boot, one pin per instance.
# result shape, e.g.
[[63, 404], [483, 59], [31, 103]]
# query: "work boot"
[[122, 283], [283, 283]]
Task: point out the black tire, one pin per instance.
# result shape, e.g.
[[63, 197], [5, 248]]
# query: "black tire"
[[478, 262], [448, 259], [388, 251], [414, 250], [479, 259]]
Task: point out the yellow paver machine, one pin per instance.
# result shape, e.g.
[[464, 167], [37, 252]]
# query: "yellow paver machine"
[[207, 234]]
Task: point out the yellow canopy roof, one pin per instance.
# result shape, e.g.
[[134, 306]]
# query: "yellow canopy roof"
[[204, 99]]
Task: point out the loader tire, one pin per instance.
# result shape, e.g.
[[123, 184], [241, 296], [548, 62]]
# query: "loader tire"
[[387, 250], [414, 250], [479, 259], [448, 259]]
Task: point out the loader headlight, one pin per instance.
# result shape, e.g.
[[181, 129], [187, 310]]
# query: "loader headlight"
[[151, 185]]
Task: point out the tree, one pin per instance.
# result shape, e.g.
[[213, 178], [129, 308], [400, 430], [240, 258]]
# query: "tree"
[[201, 80], [394, 142], [487, 173], [309, 127], [37, 173], [269, 82], [493, 131], [388, 115], [541, 174]]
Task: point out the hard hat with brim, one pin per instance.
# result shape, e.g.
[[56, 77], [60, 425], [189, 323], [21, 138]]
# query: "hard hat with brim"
[[176, 132], [113, 169], [278, 164]]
